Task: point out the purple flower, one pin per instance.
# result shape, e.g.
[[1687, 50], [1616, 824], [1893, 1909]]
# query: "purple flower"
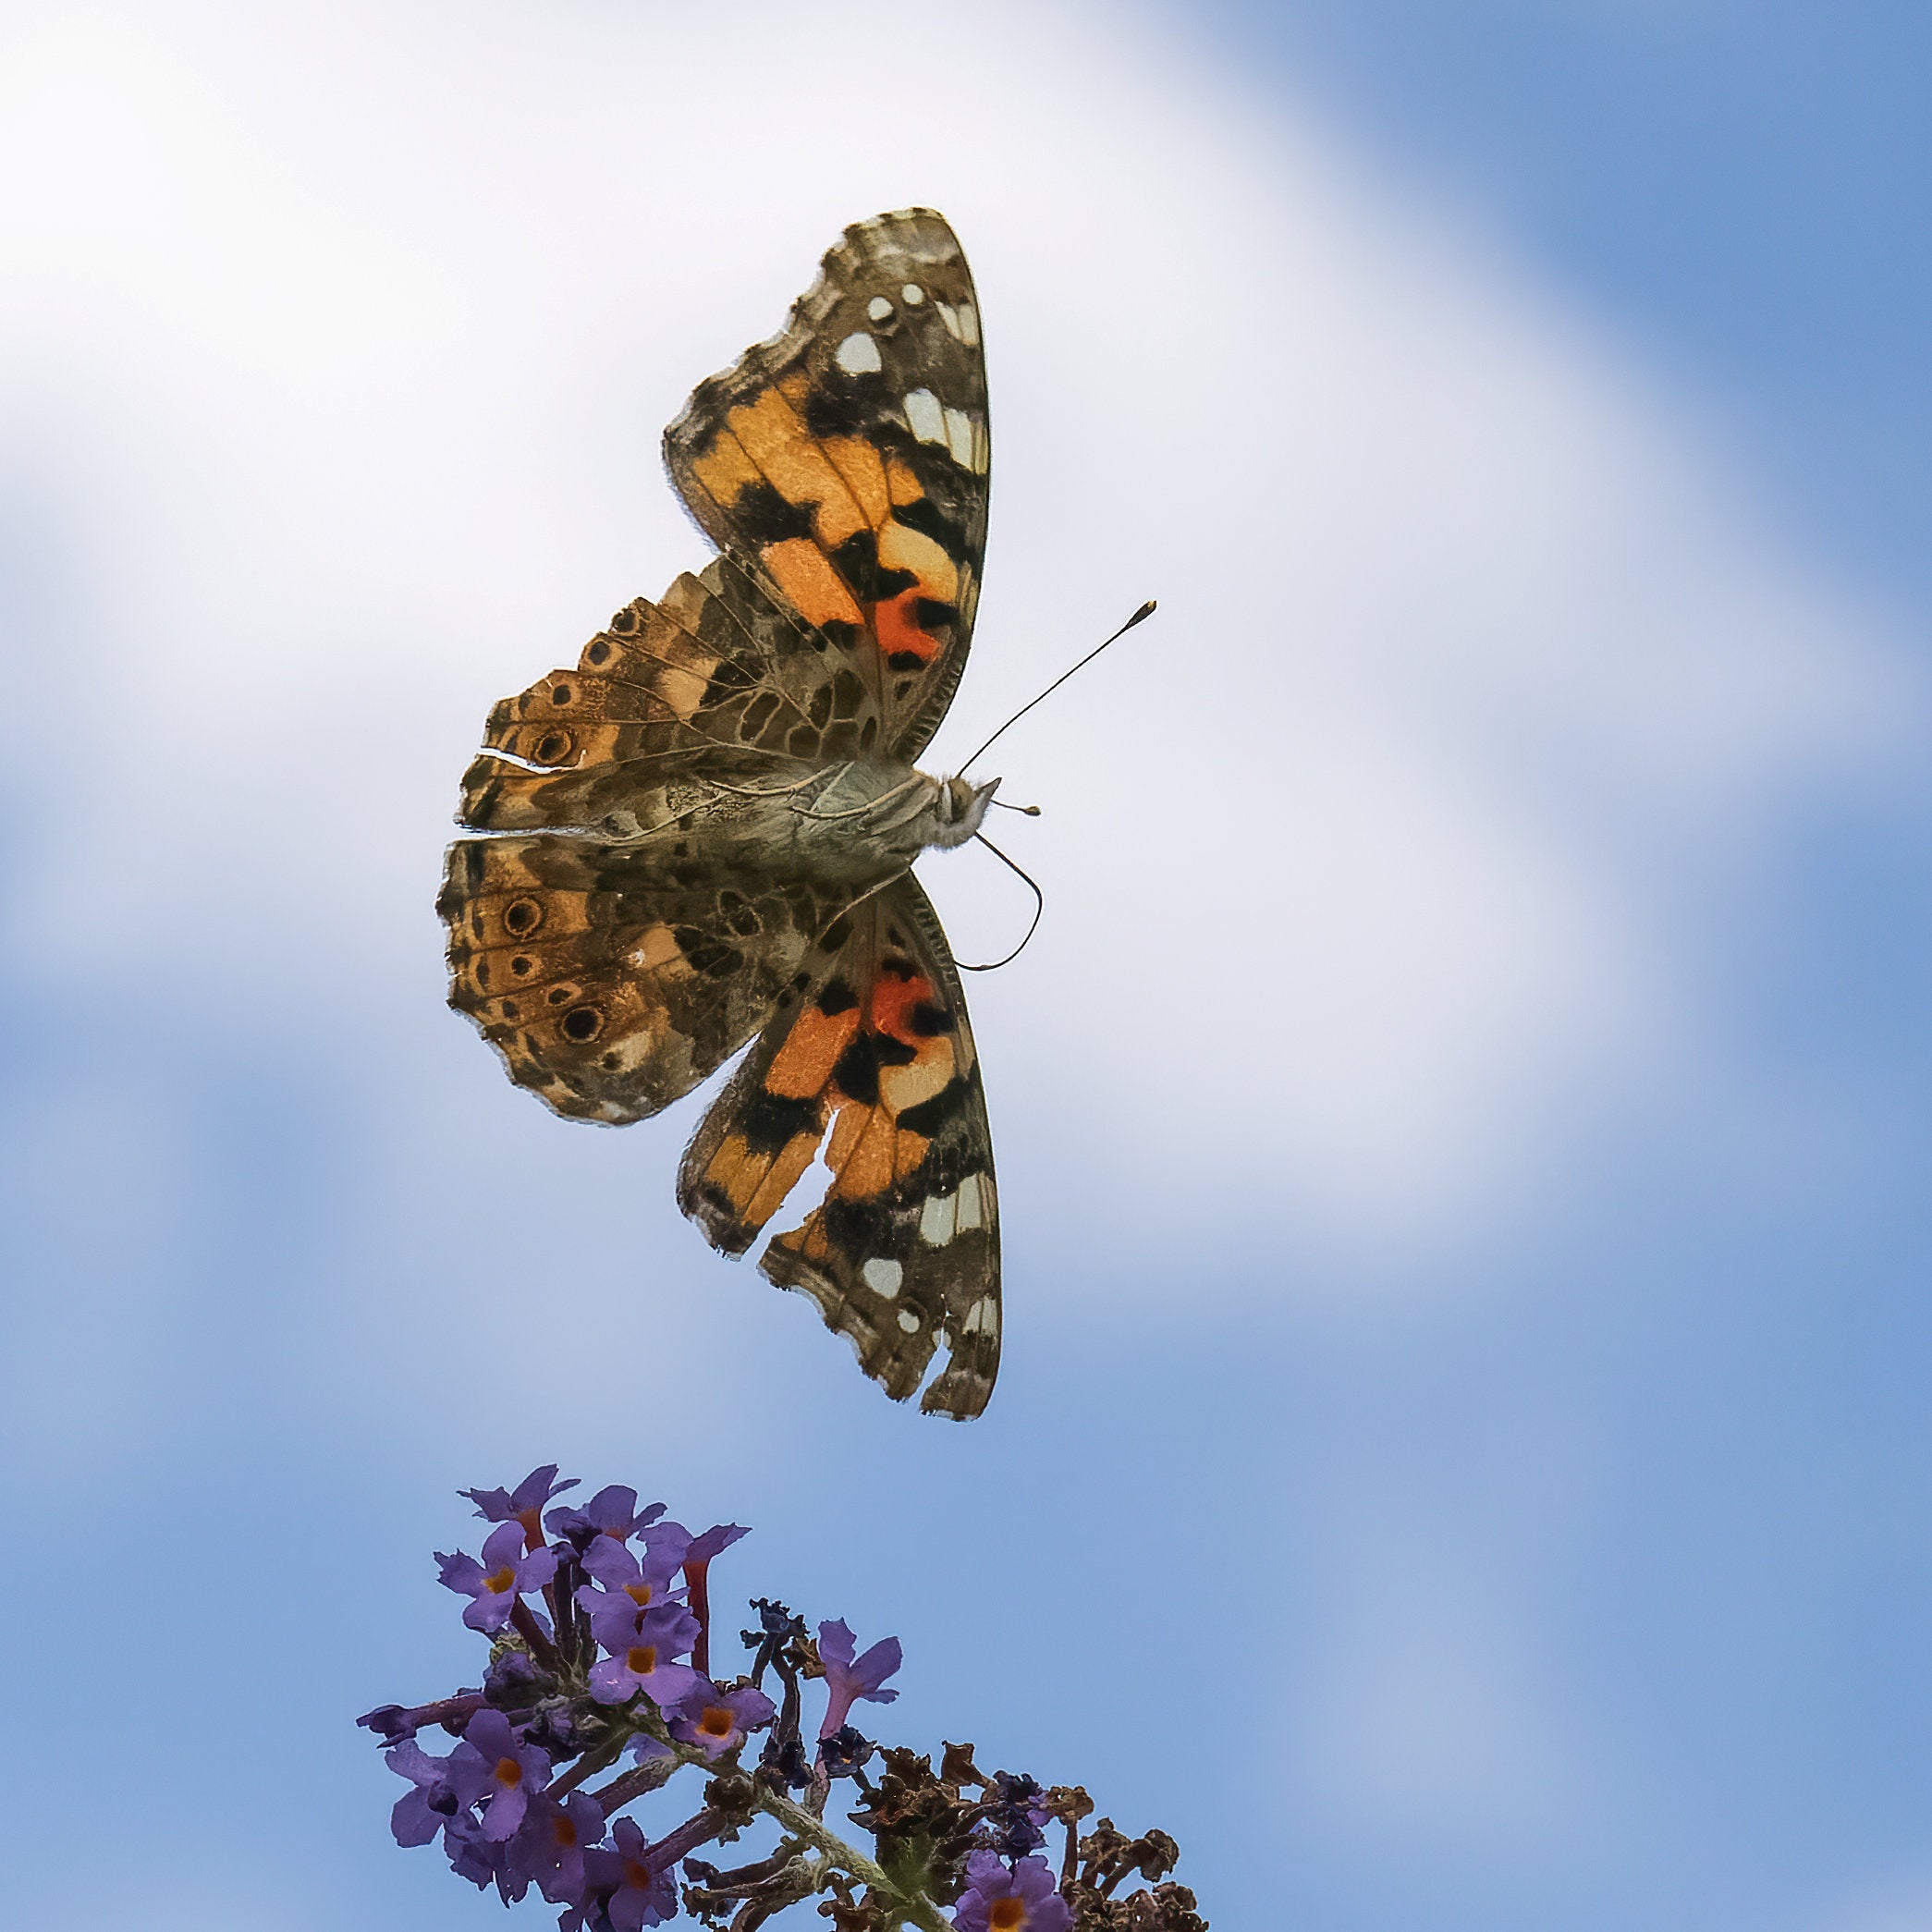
[[644, 1893], [395, 1723], [617, 1623], [496, 1583], [697, 1570], [716, 1721], [551, 1842], [423, 1811], [641, 1579], [494, 1764], [846, 1681], [1024, 1899], [524, 1504], [612, 1512], [483, 1860], [642, 1651]]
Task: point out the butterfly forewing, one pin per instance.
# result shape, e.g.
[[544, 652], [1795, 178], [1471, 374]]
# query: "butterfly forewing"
[[847, 458], [875, 1067]]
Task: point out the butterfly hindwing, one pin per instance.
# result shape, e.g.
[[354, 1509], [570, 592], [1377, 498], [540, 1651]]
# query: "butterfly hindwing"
[[846, 460], [713, 678], [876, 1064], [609, 989]]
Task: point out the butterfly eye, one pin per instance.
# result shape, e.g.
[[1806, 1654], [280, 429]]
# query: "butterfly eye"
[[581, 1025], [553, 747], [523, 917], [559, 693]]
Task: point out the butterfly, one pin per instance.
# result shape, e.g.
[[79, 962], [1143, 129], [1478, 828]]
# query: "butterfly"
[[701, 837]]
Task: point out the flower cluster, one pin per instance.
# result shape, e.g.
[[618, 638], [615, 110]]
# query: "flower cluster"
[[600, 1668]]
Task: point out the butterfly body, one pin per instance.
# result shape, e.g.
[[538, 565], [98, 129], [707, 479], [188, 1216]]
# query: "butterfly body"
[[700, 836]]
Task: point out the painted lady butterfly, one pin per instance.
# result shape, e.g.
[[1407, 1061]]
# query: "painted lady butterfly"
[[701, 835]]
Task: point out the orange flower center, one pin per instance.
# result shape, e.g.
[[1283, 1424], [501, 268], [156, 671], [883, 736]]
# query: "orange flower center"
[[509, 1773], [639, 1594], [716, 1722], [499, 1581], [642, 1658], [1008, 1915]]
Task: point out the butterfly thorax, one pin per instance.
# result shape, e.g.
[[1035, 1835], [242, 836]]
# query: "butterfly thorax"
[[857, 821]]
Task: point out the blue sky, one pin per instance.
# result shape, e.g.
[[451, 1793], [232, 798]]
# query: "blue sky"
[[1461, 1459]]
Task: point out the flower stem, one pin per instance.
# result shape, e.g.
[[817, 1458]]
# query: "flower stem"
[[800, 1822]]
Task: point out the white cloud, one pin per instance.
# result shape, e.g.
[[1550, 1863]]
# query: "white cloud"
[[1375, 865]]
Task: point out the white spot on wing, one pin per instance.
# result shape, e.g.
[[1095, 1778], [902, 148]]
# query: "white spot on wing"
[[951, 317], [857, 355], [971, 1210], [935, 1219], [907, 1320], [982, 1318], [968, 324], [878, 308], [958, 438], [882, 1277], [912, 295], [926, 417]]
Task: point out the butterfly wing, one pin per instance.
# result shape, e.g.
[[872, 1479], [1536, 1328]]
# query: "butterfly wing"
[[609, 988], [846, 460], [876, 1064], [713, 678]]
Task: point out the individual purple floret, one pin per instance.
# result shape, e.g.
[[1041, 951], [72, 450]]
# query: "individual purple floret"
[[716, 1721], [617, 1623], [643, 1579], [395, 1723], [612, 1512], [641, 1655], [522, 1505], [483, 1860], [423, 1811], [644, 1893], [551, 1843], [697, 1573], [1022, 1900], [494, 1767], [847, 1681], [505, 1574]]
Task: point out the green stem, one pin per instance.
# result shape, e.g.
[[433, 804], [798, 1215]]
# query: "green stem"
[[800, 1822], [905, 1906]]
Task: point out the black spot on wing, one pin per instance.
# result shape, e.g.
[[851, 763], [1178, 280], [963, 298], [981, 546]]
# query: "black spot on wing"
[[861, 1227], [846, 406], [856, 1074], [771, 1120], [930, 1116], [931, 520], [857, 560], [765, 516]]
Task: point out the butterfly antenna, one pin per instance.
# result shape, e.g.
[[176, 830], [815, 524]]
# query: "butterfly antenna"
[[1146, 610], [1039, 907]]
